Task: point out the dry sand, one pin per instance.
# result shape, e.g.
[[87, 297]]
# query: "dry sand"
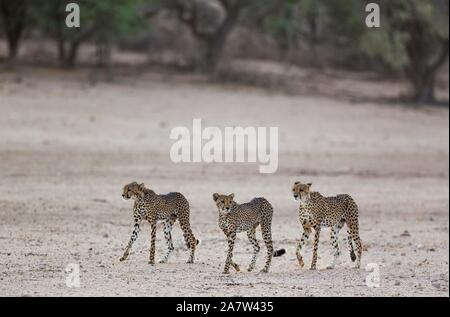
[[66, 149]]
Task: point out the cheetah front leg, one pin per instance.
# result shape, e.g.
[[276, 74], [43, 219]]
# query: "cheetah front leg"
[[134, 235], [251, 234], [229, 261], [315, 247], [168, 237], [303, 239], [151, 259]]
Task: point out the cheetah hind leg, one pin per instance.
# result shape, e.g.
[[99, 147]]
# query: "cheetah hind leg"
[[251, 234], [168, 237], [350, 247], [334, 241], [354, 236], [191, 244], [267, 236], [189, 239]]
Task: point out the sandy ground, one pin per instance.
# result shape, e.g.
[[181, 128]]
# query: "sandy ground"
[[67, 148]]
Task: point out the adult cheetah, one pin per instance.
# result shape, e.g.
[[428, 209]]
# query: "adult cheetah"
[[234, 218], [317, 211], [152, 207]]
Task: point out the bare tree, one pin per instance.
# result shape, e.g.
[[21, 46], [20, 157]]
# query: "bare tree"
[[14, 17], [210, 22], [427, 51], [68, 46]]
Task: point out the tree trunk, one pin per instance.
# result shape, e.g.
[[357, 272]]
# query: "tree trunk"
[[61, 51], [14, 18], [427, 52], [58, 20], [312, 21], [424, 90], [213, 54], [13, 49], [216, 43], [71, 56], [104, 56], [423, 71], [213, 43]]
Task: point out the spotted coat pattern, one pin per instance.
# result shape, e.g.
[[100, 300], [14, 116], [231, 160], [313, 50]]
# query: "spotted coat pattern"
[[235, 218], [317, 211], [153, 207]]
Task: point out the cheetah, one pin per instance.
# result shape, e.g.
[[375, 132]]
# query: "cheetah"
[[153, 207], [317, 211], [234, 218]]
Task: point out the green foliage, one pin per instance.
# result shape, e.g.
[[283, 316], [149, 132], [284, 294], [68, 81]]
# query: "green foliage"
[[386, 46], [390, 42], [118, 17], [121, 16], [338, 22], [284, 24]]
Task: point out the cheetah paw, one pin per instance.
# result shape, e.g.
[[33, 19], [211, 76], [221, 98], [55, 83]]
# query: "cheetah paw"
[[312, 268]]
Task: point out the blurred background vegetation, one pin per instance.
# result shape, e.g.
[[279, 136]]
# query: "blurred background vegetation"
[[202, 35]]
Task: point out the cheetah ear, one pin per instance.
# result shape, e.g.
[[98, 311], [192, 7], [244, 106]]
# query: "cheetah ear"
[[142, 185], [231, 196], [296, 183], [309, 185], [215, 196]]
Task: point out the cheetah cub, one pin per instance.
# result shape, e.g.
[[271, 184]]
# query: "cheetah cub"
[[316, 211], [234, 218], [152, 207]]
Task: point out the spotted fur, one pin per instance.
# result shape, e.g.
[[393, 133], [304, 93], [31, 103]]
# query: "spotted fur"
[[317, 211], [234, 218], [152, 207]]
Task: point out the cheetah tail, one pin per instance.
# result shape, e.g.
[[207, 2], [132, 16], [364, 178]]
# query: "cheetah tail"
[[279, 252]]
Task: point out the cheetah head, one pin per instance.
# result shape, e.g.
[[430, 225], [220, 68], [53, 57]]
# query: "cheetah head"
[[301, 192], [133, 190], [223, 202]]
